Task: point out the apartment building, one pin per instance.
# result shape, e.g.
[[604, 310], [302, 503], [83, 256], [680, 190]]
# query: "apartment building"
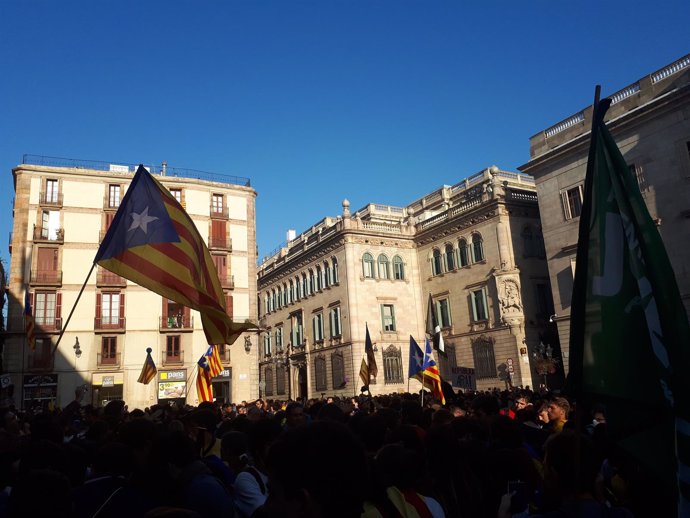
[[62, 210]]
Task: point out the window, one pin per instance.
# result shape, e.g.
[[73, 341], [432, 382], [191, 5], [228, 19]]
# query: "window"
[[175, 315], [280, 380], [480, 310], [267, 344], [572, 202], [335, 322], [484, 359], [51, 191], [217, 203], [638, 173], [109, 350], [383, 267], [312, 284], [436, 263], [327, 275], [463, 253], [477, 248], [450, 258], [286, 295], [336, 279], [368, 265], [298, 289], [388, 317], [318, 279], [443, 312], [297, 330], [320, 373], [392, 365], [528, 242], [544, 304], [291, 293], [113, 196], [266, 310], [111, 309], [173, 352], [279, 338], [221, 263], [177, 194], [338, 369], [50, 226], [41, 357], [398, 268], [317, 327], [268, 379], [539, 244], [305, 285], [46, 309]]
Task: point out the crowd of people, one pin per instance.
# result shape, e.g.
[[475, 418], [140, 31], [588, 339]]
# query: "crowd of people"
[[484, 454]]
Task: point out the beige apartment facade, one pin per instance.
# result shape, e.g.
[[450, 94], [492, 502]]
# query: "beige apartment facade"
[[475, 247], [61, 213], [650, 121]]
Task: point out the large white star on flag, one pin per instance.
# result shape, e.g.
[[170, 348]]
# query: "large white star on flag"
[[141, 220], [418, 359]]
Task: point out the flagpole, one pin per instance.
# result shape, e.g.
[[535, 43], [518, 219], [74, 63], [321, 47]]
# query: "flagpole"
[[62, 331]]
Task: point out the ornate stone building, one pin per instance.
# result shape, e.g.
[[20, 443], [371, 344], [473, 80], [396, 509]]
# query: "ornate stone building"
[[650, 121], [61, 213], [475, 247]]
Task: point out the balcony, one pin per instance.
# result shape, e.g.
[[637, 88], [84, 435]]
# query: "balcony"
[[49, 235], [219, 212], [40, 362], [220, 242], [110, 324], [108, 360], [172, 359], [50, 199], [107, 278], [48, 324], [46, 277], [176, 323], [227, 281]]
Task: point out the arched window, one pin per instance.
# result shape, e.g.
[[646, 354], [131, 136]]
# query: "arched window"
[[338, 369], [477, 248], [272, 300], [436, 263], [311, 282], [335, 271], [368, 265], [305, 285], [318, 279], [528, 242], [298, 288], [291, 292], [320, 374], [268, 378], [327, 275], [450, 258], [392, 365], [398, 268], [463, 253], [383, 267]]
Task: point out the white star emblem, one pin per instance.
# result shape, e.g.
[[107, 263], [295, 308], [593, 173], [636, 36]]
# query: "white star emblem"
[[141, 220], [418, 359]]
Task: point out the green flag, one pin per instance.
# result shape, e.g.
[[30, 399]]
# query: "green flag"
[[629, 333]]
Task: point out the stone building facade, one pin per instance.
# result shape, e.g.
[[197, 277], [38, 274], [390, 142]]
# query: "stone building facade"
[[474, 247], [650, 122], [61, 213]]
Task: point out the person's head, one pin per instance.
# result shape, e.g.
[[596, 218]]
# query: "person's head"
[[294, 415], [234, 449], [543, 413], [521, 402], [558, 409]]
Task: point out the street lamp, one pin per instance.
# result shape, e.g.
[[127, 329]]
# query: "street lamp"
[[77, 348]]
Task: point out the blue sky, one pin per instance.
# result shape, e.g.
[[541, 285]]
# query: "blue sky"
[[314, 101]]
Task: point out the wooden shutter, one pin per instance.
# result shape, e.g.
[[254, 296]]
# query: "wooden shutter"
[[58, 310], [98, 306], [228, 305], [122, 310]]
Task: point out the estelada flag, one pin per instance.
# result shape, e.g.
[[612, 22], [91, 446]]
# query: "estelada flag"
[[208, 367], [152, 241], [148, 371]]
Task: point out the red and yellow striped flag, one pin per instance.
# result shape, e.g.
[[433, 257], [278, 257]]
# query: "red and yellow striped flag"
[[208, 367], [152, 241]]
